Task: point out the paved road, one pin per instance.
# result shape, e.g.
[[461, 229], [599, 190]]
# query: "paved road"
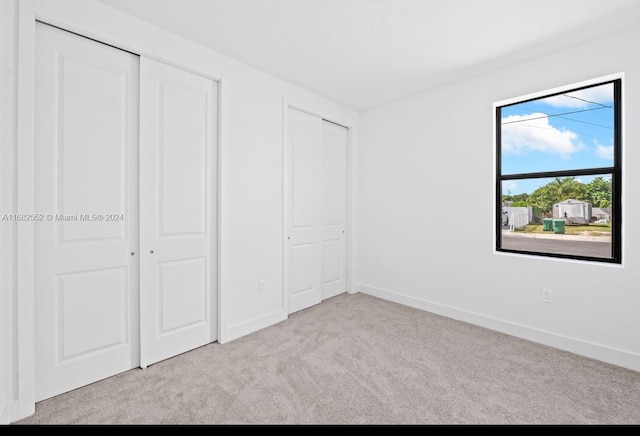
[[559, 244]]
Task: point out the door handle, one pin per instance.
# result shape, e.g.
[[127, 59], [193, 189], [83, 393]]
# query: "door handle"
[[150, 251]]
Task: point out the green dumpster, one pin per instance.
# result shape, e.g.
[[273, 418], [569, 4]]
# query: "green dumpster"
[[558, 226], [547, 224]]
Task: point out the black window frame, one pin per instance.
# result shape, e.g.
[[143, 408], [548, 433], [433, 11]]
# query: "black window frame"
[[615, 171]]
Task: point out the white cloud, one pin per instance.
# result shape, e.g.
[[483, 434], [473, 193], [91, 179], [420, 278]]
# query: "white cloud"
[[524, 133], [602, 94], [604, 152]]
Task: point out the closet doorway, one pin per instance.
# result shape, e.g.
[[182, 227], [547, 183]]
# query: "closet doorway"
[[316, 210]]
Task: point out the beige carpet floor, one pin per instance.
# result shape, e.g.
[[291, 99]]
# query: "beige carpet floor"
[[356, 359]]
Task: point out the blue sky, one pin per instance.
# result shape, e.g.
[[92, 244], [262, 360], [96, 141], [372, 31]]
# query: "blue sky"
[[572, 130]]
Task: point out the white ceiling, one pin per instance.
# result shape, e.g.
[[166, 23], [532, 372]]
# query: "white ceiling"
[[363, 53]]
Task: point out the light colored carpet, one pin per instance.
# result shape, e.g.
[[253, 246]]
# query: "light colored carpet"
[[356, 359]]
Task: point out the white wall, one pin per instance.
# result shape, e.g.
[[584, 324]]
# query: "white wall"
[[420, 158], [251, 178]]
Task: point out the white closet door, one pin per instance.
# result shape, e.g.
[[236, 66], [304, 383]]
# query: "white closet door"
[[178, 192], [86, 139], [305, 214], [317, 211], [335, 139]]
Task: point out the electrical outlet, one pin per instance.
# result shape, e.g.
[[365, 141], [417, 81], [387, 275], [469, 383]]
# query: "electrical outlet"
[[261, 286], [383, 266], [546, 296]]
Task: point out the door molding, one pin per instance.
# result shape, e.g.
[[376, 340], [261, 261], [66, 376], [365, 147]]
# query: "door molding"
[[8, 171], [286, 203], [103, 24]]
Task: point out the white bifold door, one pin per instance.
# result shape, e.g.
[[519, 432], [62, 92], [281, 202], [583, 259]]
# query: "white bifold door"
[[125, 182], [316, 174]]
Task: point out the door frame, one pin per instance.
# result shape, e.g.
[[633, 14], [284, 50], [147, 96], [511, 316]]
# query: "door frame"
[[286, 203], [87, 20]]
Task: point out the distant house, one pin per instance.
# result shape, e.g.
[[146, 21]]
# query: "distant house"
[[574, 211], [601, 213]]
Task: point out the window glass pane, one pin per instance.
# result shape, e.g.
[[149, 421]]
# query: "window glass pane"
[[562, 215], [569, 131]]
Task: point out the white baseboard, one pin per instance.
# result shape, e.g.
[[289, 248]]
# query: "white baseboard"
[[4, 414], [595, 351], [244, 328], [16, 410]]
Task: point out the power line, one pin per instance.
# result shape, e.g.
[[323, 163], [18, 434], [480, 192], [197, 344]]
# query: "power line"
[[586, 101], [586, 122], [565, 118], [556, 115], [554, 129]]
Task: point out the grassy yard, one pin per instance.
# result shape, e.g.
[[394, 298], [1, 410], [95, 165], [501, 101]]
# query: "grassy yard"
[[588, 230]]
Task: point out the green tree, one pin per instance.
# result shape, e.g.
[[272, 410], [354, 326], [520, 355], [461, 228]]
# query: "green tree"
[[565, 188], [542, 199], [558, 190], [598, 192], [520, 197], [518, 200]]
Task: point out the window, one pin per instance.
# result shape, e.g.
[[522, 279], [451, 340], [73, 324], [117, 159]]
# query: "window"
[[559, 173]]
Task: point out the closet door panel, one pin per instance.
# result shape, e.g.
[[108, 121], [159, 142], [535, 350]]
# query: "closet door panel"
[[178, 153], [305, 219], [86, 280], [316, 181], [335, 139]]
